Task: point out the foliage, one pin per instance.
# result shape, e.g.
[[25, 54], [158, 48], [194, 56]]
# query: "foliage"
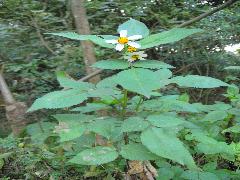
[[140, 111], [143, 124]]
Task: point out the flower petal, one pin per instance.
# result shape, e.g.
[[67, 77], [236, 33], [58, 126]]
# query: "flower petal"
[[119, 47], [134, 44], [123, 33], [113, 41], [135, 37]]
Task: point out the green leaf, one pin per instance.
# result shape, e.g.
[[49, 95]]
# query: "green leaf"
[[70, 129], [169, 105], [40, 131], [198, 81], [1, 163], [215, 116], [193, 175], [152, 64], [134, 27], [233, 129], [59, 99], [208, 145], [101, 92], [142, 81], [111, 64], [72, 35], [164, 120], [233, 90], [134, 124], [163, 74], [165, 173], [109, 82], [109, 128], [74, 117], [210, 166], [67, 82], [216, 148], [72, 126], [232, 68], [6, 155], [165, 37], [91, 107], [217, 107], [137, 152], [166, 145], [95, 156]]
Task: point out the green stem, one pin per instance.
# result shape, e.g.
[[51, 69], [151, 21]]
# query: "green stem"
[[124, 104], [139, 103]]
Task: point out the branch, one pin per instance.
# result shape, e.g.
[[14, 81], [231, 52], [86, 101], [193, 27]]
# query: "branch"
[[208, 13], [89, 76], [44, 43]]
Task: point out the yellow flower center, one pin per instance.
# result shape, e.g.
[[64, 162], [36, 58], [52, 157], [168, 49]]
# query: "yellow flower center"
[[131, 49], [123, 40], [135, 57]]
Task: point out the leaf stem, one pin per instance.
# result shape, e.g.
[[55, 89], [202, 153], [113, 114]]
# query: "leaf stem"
[[124, 103], [139, 103]]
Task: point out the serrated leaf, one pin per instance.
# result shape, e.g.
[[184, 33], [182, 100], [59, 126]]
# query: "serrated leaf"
[[72, 35], [109, 82], [59, 99], [198, 81], [69, 130], [95, 156], [216, 148], [134, 124], [217, 107], [208, 145], [163, 73], [137, 152], [91, 107], [152, 64], [101, 92], [193, 175], [166, 145], [72, 126], [40, 131], [215, 116], [74, 117], [142, 81], [109, 128], [134, 27], [165, 37], [111, 64], [164, 120], [169, 105], [165, 173], [67, 82]]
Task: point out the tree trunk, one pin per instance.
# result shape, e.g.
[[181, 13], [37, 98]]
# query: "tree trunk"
[[15, 111], [82, 26]]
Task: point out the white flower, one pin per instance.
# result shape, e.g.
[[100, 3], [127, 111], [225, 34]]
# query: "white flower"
[[235, 49], [136, 56], [123, 40]]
